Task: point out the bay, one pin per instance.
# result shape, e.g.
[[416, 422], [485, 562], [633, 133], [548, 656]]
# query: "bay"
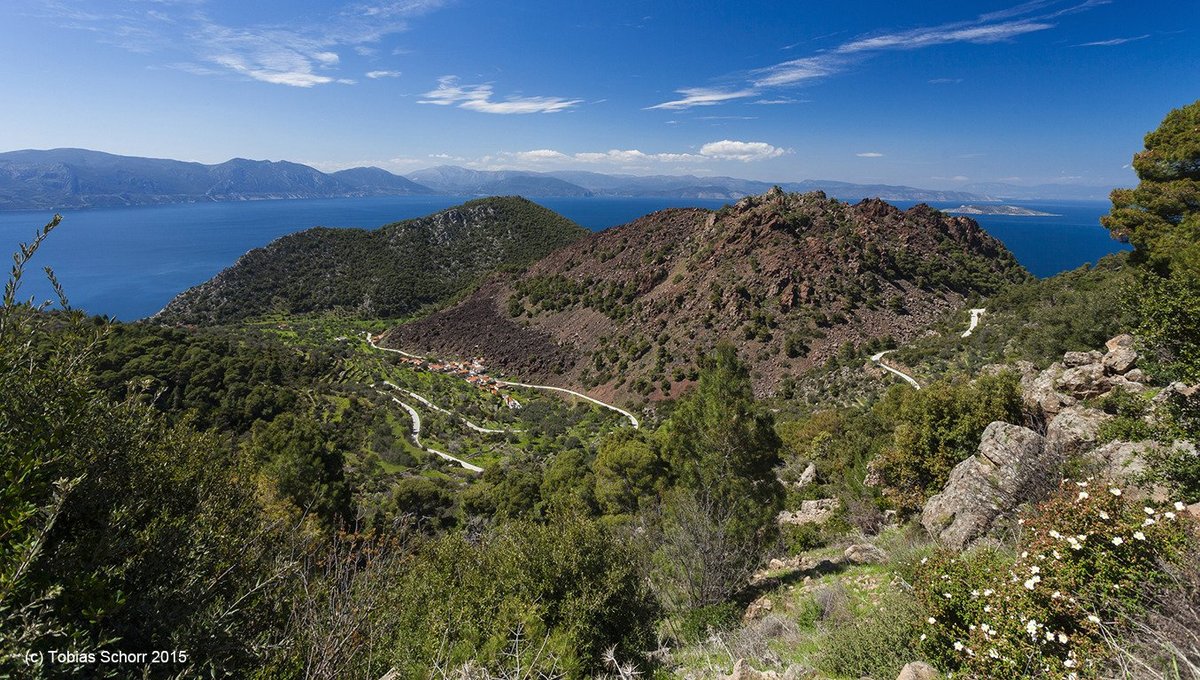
[[127, 263]]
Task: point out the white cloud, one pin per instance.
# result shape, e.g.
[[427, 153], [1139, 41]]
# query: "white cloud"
[[1113, 41], [479, 98], [727, 149], [942, 35], [326, 58], [383, 74], [282, 53], [538, 155], [702, 96], [798, 70], [629, 159], [945, 81], [869, 154], [993, 27]]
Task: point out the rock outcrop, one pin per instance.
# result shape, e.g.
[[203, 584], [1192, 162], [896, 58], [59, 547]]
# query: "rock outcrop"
[[1075, 429], [1012, 466], [810, 512], [1083, 375], [1015, 465]]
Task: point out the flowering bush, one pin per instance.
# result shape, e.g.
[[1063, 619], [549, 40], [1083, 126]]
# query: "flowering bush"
[[1084, 556]]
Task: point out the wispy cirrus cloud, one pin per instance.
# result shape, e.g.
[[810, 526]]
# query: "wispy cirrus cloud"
[[869, 154], [989, 28], [1113, 41], [703, 96], [293, 54], [449, 92], [375, 75]]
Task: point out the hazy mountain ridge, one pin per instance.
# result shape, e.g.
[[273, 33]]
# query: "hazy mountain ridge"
[[78, 178]]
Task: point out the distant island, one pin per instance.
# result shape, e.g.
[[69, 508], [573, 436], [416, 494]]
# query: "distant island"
[[1011, 210]]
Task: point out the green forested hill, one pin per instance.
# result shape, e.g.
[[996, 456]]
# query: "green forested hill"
[[386, 272]]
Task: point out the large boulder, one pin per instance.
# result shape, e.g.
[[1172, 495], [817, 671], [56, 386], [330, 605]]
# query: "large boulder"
[[1075, 429], [1125, 463], [865, 553], [917, 670], [1120, 360], [1124, 340], [1074, 359], [1084, 381], [1012, 466], [1041, 395]]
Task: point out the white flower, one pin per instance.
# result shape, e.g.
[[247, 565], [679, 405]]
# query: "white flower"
[[947, 595], [1034, 569], [1115, 491], [993, 653], [1069, 663], [984, 627], [1170, 515], [1139, 535], [1148, 511], [924, 560], [1103, 515], [987, 592], [1056, 595], [1055, 534], [923, 637], [1049, 636], [1148, 522], [931, 620], [987, 608], [1117, 540], [1083, 495], [1024, 554], [1093, 618], [1032, 627], [1057, 555], [1062, 638], [1179, 506], [958, 646]]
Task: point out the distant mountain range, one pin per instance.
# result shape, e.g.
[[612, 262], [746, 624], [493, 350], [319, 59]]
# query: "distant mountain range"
[[79, 178]]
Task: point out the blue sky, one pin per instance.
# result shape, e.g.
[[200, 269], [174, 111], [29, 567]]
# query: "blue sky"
[[934, 94]]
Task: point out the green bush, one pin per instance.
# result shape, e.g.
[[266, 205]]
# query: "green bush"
[[571, 589], [1084, 560], [938, 427], [877, 644], [697, 624]]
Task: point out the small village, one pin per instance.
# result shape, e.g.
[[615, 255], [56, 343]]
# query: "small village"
[[473, 372]]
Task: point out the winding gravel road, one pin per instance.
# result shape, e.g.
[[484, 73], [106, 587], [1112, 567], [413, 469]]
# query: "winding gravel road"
[[416, 436], [435, 407], [632, 419], [975, 314], [878, 359]]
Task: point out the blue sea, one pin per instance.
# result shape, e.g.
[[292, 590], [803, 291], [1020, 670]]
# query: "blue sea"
[[129, 262]]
